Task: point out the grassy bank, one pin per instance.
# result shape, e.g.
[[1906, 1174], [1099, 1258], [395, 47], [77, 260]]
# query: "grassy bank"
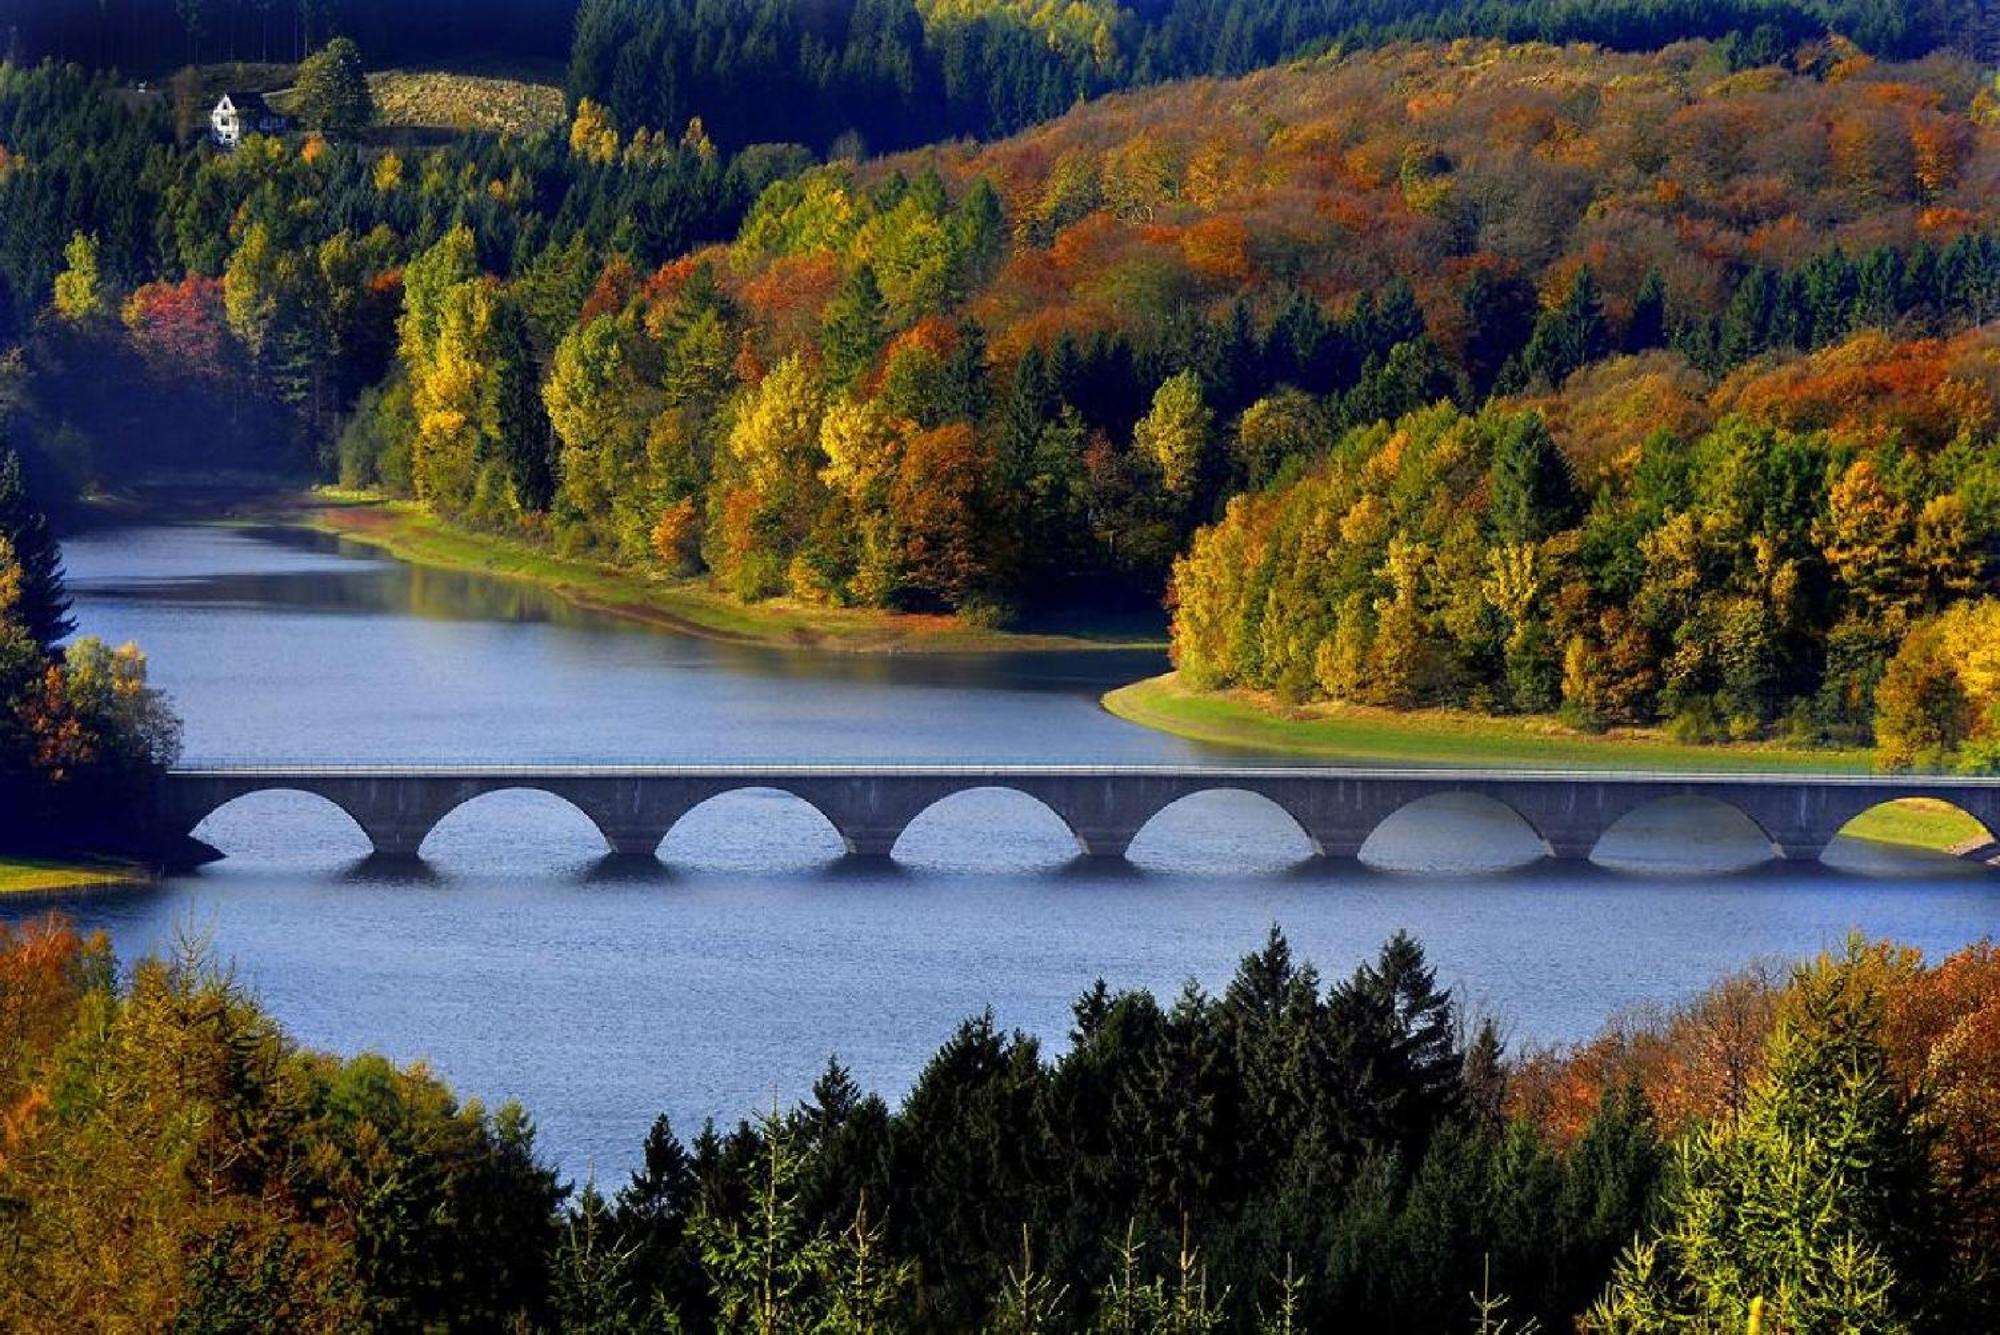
[[36, 876], [1360, 735], [690, 606], [1919, 823], [1351, 735]]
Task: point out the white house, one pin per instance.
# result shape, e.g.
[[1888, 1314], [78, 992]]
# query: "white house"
[[238, 114]]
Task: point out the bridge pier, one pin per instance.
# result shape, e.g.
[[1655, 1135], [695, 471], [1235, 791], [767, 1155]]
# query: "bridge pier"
[[878, 844], [1571, 848], [638, 845], [396, 843], [1101, 844]]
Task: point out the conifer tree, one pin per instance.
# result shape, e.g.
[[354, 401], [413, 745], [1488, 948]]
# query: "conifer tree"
[[42, 606], [1814, 1204], [1030, 1303], [1647, 327], [1533, 492], [854, 328]]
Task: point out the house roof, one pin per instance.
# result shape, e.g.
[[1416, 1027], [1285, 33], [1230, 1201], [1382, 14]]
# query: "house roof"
[[247, 102]]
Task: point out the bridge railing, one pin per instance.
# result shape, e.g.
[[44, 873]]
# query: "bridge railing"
[[488, 769]]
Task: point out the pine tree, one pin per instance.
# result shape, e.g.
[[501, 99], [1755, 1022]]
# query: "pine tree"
[[1485, 1077], [1400, 1071], [1647, 328], [766, 1269], [1130, 1302], [1030, 1303], [1286, 1315], [1815, 1203], [852, 333], [42, 605], [1533, 494], [511, 412], [1569, 337], [591, 1289], [650, 1217], [1499, 320]]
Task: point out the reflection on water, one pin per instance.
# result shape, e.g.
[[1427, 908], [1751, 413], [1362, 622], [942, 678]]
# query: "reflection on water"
[[330, 652], [524, 965]]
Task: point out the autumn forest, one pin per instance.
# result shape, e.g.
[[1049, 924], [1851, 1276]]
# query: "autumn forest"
[[1643, 388], [1621, 368]]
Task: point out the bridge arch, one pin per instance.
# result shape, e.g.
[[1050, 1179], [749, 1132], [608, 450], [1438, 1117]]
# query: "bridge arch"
[[1484, 819], [1037, 825], [545, 798], [1178, 810], [363, 841], [792, 812], [1938, 822], [1646, 828]]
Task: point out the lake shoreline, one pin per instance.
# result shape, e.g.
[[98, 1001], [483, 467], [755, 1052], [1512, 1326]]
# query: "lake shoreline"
[[1446, 739], [686, 607], [58, 876]]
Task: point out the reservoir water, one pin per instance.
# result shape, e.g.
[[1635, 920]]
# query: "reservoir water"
[[520, 965]]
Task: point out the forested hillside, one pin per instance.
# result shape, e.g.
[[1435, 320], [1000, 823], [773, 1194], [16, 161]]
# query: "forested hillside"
[[983, 377], [999, 379], [234, 304], [902, 72]]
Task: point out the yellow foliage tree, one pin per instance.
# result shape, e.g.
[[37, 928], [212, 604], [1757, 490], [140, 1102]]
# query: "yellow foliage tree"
[[593, 135], [79, 296]]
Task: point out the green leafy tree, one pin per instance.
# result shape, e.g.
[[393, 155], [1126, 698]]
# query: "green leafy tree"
[[332, 92], [1923, 713], [1176, 433]]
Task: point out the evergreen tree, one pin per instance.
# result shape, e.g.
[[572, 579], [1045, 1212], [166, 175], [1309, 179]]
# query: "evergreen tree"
[[1300, 348], [1647, 328], [1570, 336], [1500, 314], [1815, 1205], [854, 328], [512, 415], [650, 1217], [42, 605], [591, 1290], [1749, 324], [1400, 1073], [1533, 493]]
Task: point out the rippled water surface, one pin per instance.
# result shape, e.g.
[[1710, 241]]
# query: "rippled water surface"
[[522, 965]]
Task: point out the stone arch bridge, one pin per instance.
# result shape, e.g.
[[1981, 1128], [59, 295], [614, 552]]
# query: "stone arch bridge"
[[1104, 807]]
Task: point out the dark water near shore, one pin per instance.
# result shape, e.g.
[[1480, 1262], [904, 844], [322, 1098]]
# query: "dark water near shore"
[[522, 966]]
